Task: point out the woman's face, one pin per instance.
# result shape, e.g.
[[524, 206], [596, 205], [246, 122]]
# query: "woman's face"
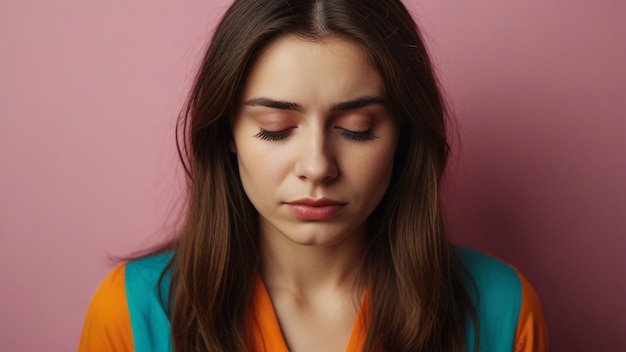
[[314, 139]]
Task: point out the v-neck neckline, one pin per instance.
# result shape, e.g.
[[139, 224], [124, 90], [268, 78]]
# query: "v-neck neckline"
[[268, 336]]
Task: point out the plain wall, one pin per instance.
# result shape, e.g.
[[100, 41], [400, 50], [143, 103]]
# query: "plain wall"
[[89, 94]]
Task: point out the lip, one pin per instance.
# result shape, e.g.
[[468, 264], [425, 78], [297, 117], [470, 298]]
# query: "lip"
[[315, 209]]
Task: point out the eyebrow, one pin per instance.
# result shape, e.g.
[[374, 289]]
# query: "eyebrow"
[[274, 104], [354, 104]]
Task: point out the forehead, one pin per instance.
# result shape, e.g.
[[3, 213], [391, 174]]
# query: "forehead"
[[325, 70]]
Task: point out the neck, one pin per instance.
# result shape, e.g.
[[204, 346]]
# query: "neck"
[[310, 269]]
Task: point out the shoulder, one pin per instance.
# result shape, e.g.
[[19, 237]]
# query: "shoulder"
[[129, 307], [493, 279], [107, 324], [147, 283], [147, 289], [146, 273], [509, 312]]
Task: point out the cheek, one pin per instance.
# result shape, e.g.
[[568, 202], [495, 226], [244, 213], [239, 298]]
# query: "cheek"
[[374, 172], [251, 181], [259, 170], [247, 164]]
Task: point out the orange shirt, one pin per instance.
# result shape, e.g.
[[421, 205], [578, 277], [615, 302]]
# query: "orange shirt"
[[127, 314]]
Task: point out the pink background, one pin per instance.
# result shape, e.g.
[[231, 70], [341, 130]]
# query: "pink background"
[[89, 92]]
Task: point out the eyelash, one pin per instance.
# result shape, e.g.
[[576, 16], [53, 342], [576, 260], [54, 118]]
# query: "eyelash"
[[272, 135], [367, 135]]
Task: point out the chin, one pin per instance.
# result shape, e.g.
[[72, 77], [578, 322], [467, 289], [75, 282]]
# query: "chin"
[[315, 239]]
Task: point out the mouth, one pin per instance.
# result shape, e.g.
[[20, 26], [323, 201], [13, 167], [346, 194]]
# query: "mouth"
[[315, 209], [322, 202]]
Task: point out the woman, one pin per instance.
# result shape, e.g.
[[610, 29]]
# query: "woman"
[[315, 143]]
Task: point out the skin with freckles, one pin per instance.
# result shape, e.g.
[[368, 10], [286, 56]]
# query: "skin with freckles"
[[315, 145]]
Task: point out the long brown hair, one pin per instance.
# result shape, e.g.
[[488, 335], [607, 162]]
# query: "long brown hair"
[[419, 301]]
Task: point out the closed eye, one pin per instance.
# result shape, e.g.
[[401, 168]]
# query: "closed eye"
[[265, 135], [366, 135]]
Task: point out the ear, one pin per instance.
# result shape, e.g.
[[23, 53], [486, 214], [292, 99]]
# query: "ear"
[[232, 146]]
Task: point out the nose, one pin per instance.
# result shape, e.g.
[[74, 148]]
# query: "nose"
[[316, 161]]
